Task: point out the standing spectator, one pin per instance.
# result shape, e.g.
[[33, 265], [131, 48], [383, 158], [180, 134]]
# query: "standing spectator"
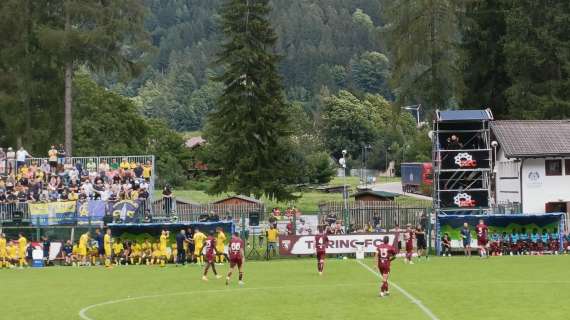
[[272, 239], [91, 167], [167, 196], [11, 160], [21, 156], [114, 165], [466, 237], [2, 162], [52, 158], [103, 169], [147, 170], [46, 246], [61, 154]]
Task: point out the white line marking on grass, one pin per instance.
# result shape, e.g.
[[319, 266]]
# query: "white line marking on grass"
[[417, 302], [83, 312]]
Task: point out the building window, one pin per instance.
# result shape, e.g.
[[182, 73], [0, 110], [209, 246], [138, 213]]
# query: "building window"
[[567, 166], [553, 167]]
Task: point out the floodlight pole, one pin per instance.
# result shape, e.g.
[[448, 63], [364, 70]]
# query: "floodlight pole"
[[345, 218]]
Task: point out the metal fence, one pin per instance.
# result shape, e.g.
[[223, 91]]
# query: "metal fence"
[[165, 208], [389, 213]]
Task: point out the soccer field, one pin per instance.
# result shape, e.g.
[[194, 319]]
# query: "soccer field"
[[448, 288]]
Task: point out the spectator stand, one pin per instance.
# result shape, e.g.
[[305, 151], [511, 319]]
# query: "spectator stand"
[[100, 161]]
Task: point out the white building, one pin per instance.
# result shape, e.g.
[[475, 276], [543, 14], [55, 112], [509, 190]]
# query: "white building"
[[533, 164]]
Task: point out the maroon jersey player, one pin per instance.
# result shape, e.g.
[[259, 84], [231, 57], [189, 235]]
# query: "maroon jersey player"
[[385, 253], [409, 239], [482, 234], [236, 256], [210, 246], [321, 242]]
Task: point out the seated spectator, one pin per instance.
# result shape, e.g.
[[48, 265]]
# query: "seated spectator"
[[125, 165], [114, 165], [103, 168], [72, 196], [47, 168], [138, 170]]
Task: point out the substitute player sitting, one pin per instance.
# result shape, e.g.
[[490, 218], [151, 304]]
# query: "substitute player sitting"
[[385, 253], [210, 247], [236, 256], [321, 243]]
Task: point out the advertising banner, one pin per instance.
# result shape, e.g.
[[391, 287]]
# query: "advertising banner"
[[344, 243], [465, 159], [52, 213]]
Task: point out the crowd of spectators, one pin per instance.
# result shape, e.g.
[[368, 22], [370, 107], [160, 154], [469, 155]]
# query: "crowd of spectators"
[[24, 179]]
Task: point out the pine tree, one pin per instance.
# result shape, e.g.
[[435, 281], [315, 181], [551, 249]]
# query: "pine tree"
[[423, 37], [484, 60], [102, 35], [249, 133]]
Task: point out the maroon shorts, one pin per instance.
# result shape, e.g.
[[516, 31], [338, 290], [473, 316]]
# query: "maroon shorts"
[[409, 247], [237, 261], [321, 255], [210, 258], [383, 267], [482, 241]]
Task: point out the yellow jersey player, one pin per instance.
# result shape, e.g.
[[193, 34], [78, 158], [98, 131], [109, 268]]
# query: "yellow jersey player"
[[146, 248], [75, 254], [118, 251], [155, 253], [22, 244], [199, 238], [220, 240], [107, 246], [3, 252], [12, 252], [83, 248], [163, 244], [136, 253]]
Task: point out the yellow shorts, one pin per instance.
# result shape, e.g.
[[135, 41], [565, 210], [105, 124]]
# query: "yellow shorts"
[[108, 251], [3, 254], [220, 249], [198, 251], [82, 251]]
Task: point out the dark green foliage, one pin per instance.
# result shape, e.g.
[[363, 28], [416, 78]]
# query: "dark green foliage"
[[249, 133], [106, 123]]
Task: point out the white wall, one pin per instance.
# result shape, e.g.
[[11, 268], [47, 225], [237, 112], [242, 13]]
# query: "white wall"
[[507, 182], [538, 189]]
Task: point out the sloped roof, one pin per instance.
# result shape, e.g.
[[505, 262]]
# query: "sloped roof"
[[242, 197], [533, 138], [464, 115], [194, 142], [382, 194]]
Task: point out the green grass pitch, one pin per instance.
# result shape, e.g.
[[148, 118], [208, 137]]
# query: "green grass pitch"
[[451, 288]]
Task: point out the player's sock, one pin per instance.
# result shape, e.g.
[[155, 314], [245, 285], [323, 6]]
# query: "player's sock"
[[214, 269], [241, 276]]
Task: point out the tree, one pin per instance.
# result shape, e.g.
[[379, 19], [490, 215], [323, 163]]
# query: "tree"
[[537, 49], [484, 72], [106, 123], [371, 73], [423, 38], [99, 34], [249, 133]]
